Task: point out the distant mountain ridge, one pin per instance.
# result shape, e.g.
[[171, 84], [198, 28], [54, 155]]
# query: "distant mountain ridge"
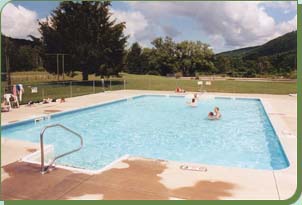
[[282, 44], [276, 57]]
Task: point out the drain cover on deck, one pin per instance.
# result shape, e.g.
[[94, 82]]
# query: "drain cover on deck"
[[193, 168]]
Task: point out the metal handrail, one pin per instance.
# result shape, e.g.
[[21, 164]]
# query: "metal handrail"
[[44, 169]]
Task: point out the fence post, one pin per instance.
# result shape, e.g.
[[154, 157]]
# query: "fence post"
[[93, 84], [103, 84], [110, 84], [124, 84], [43, 94], [70, 88]]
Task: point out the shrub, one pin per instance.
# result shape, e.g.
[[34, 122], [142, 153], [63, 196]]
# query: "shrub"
[[250, 74], [291, 75], [153, 72], [178, 75]]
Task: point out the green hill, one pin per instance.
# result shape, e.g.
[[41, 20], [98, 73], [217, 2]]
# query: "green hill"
[[277, 57], [282, 44], [241, 51]]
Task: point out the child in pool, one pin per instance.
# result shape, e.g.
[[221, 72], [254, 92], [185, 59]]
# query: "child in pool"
[[193, 102], [211, 116], [216, 115]]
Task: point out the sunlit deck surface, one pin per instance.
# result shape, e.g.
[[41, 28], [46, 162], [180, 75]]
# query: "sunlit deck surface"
[[140, 178]]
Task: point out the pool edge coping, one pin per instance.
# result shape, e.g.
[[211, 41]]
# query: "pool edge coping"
[[277, 132], [277, 129]]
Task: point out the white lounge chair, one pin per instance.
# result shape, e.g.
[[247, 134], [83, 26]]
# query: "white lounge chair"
[[208, 83], [8, 96]]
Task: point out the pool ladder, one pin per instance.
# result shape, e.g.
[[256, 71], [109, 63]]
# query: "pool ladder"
[[44, 169]]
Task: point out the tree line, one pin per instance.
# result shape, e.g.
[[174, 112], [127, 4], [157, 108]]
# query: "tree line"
[[276, 57], [283, 64], [20, 54], [168, 57], [94, 43]]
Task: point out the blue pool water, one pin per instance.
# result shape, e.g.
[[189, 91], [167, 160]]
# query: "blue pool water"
[[164, 128]]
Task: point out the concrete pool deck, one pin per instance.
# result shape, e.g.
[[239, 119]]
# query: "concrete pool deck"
[[140, 178]]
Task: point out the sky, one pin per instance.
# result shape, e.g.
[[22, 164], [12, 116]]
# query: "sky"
[[223, 25]]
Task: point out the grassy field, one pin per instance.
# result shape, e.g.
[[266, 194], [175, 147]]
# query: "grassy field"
[[48, 87], [146, 82]]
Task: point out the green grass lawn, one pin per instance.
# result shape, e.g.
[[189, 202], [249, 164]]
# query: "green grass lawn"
[[47, 87], [146, 82]]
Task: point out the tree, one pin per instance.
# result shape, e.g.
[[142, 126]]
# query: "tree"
[[223, 64], [165, 55], [263, 65], [195, 57], [86, 32], [134, 59], [18, 55], [169, 57], [25, 58], [7, 52]]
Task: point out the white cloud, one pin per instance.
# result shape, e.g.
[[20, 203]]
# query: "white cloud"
[[228, 25], [19, 22], [136, 23], [287, 26], [284, 6], [47, 20], [141, 28], [225, 25], [170, 31]]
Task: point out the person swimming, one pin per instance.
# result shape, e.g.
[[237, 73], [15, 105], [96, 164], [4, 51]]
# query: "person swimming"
[[193, 102], [211, 115], [216, 115]]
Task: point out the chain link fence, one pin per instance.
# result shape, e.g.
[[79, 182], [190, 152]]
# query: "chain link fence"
[[251, 86], [37, 91]]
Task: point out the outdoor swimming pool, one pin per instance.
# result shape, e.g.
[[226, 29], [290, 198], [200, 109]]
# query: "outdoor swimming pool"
[[163, 128]]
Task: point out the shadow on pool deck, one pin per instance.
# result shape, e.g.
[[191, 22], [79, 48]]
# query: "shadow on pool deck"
[[139, 180], [31, 150]]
